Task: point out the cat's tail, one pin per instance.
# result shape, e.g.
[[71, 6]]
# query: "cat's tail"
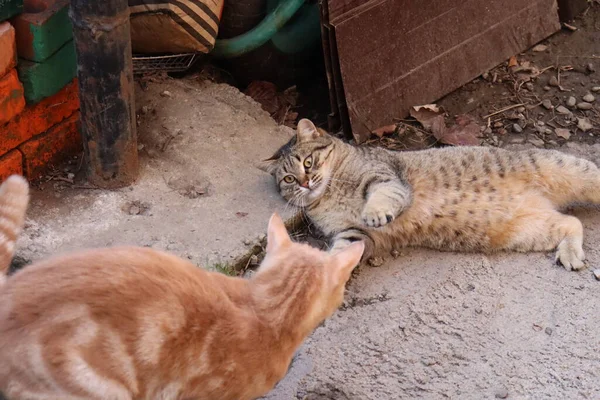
[[565, 178], [14, 198]]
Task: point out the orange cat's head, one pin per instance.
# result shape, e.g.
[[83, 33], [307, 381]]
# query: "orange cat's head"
[[300, 284]]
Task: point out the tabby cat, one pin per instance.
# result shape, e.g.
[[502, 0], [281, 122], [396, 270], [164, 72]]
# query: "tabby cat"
[[454, 198], [135, 323]]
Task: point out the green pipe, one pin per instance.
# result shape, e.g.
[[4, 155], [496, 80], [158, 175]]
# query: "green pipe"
[[302, 33], [260, 34]]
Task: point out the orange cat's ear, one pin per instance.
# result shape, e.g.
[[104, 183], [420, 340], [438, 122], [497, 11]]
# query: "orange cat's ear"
[[277, 235], [345, 261], [307, 131]]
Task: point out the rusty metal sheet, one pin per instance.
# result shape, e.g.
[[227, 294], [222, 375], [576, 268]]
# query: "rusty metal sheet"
[[397, 53]]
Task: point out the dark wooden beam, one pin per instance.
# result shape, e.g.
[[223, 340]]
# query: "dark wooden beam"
[[103, 44]]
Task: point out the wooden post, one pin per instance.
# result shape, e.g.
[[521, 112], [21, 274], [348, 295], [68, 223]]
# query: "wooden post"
[[108, 122]]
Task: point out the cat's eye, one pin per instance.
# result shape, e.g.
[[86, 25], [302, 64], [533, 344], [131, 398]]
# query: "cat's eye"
[[288, 179], [308, 162]]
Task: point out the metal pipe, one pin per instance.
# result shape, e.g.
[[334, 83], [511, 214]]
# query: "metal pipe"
[[103, 45]]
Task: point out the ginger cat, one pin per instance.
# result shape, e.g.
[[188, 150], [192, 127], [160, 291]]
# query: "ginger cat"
[[454, 198], [135, 323]]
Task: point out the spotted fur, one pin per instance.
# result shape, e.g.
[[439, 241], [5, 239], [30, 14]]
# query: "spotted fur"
[[454, 198]]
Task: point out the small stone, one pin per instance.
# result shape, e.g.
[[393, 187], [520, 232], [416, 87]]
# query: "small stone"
[[247, 242], [253, 259], [596, 89], [563, 133], [540, 123], [547, 104], [553, 81], [536, 142], [571, 101], [597, 274], [546, 88], [487, 131], [376, 261], [584, 124], [548, 331], [501, 393], [70, 175], [517, 128], [166, 93], [589, 98], [540, 48], [502, 131], [563, 110], [591, 68], [395, 253], [529, 86], [262, 237], [145, 110], [517, 140], [497, 124], [584, 106], [134, 210]]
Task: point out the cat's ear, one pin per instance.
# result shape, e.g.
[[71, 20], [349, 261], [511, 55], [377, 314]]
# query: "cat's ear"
[[344, 261], [307, 131], [269, 165], [277, 235]]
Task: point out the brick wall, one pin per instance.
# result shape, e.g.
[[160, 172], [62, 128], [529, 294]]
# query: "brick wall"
[[39, 104]]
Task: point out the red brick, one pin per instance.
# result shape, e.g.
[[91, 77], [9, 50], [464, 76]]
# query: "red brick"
[[60, 142], [12, 101], [40, 117], [11, 163], [8, 48]]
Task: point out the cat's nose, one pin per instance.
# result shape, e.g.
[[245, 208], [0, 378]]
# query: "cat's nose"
[[305, 184]]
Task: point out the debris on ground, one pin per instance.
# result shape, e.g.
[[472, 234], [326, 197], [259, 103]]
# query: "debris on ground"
[[280, 105], [464, 132]]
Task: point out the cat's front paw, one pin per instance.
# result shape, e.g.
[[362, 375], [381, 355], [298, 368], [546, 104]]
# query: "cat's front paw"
[[570, 255], [375, 218]]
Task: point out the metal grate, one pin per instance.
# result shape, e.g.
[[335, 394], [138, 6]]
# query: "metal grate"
[[169, 63]]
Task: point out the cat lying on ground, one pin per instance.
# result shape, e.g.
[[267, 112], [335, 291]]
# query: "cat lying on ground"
[[458, 198], [135, 323]]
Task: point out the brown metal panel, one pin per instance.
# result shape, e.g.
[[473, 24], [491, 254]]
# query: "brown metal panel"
[[397, 53]]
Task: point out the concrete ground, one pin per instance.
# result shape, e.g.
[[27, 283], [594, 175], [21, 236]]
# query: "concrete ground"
[[426, 325], [434, 325], [199, 194]]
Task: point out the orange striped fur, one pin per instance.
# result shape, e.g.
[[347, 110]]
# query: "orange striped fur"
[[135, 323]]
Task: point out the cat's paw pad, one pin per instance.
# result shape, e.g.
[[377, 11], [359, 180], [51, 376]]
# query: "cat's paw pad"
[[375, 218], [570, 255]]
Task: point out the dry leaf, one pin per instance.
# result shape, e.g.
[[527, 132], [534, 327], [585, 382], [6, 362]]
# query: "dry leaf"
[[512, 62], [464, 133], [430, 116], [264, 93], [385, 130], [584, 124], [563, 133]]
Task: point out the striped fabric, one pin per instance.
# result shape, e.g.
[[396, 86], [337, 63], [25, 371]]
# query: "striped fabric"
[[189, 25]]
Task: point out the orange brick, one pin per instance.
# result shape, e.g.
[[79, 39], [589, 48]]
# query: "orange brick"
[[12, 101], [40, 117], [60, 142], [11, 163], [8, 48]]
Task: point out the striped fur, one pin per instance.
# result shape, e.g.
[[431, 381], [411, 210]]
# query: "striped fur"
[[460, 198], [14, 198], [135, 323]]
